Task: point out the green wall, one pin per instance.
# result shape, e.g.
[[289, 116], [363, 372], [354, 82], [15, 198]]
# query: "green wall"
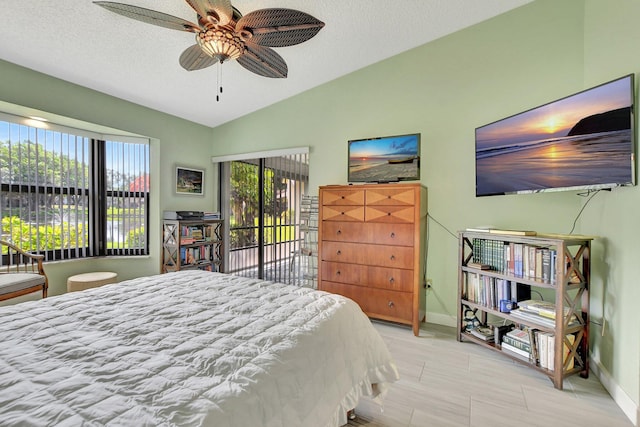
[[173, 142], [444, 90], [611, 46]]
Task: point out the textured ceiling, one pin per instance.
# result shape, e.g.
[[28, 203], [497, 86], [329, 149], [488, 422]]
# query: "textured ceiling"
[[82, 43]]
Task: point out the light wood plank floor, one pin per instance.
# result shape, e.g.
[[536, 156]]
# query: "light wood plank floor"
[[445, 383]]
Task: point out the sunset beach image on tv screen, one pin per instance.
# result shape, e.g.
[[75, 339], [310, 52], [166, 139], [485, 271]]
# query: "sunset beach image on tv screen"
[[385, 159], [581, 141]]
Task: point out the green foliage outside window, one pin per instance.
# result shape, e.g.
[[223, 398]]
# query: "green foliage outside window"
[[245, 213], [42, 221], [136, 238], [43, 237]]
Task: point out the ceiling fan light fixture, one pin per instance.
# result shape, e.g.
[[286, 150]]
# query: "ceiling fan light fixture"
[[220, 44]]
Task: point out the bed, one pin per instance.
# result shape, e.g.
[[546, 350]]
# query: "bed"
[[186, 349]]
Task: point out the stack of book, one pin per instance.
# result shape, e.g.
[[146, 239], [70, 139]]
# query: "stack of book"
[[536, 347], [540, 312], [517, 342], [484, 332], [546, 350]]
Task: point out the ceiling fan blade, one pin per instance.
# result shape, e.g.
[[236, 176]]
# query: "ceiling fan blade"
[[279, 27], [194, 58], [263, 61], [221, 8], [149, 16]]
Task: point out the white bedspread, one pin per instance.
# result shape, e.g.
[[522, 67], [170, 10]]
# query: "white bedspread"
[[187, 349]]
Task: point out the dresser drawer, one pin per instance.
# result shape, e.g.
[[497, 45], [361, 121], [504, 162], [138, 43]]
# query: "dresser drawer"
[[342, 197], [377, 303], [395, 195], [366, 254], [399, 214], [395, 279], [343, 213], [378, 233]]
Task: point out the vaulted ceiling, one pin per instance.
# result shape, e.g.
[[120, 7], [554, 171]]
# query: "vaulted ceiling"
[[77, 41]]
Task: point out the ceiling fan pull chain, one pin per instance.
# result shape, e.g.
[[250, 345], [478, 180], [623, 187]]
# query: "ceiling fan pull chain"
[[219, 85], [220, 77]]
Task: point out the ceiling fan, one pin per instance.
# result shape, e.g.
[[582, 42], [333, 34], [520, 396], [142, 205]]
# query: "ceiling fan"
[[223, 33]]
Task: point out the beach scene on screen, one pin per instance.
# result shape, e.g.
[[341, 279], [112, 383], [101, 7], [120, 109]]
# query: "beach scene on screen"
[[582, 140], [384, 159]]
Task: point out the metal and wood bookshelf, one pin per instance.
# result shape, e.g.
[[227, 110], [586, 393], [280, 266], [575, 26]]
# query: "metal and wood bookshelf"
[[557, 266], [192, 244]]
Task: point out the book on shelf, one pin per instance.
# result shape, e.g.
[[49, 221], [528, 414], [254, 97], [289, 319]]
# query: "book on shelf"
[[541, 308], [513, 232], [516, 343], [528, 261], [520, 313], [484, 332], [535, 352], [538, 263], [528, 340], [488, 252], [532, 317], [492, 230], [519, 353], [543, 352], [538, 345], [545, 269], [546, 345], [491, 292], [519, 335], [479, 266], [478, 229], [519, 259]]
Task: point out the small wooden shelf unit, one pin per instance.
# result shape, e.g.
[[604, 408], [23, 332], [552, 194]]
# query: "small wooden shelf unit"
[[370, 239], [192, 244], [568, 283]]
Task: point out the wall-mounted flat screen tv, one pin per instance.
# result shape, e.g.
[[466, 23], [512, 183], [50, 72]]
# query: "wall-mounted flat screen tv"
[[583, 141], [385, 159]]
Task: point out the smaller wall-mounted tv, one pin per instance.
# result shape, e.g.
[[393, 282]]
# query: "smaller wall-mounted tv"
[[385, 159], [581, 142]]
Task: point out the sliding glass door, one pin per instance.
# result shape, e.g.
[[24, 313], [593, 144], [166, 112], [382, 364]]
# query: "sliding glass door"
[[261, 199]]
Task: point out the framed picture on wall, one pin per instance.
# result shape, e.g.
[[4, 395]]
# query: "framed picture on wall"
[[189, 181]]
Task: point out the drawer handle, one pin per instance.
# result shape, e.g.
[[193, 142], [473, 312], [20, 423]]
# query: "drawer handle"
[[392, 257], [392, 280], [390, 304], [342, 197], [339, 232], [339, 252], [341, 213], [393, 235], [388, 213], [388, 197], [338, 273]]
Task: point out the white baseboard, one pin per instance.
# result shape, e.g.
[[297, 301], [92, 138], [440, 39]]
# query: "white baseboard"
[[441, 319], [619, 396], [622, 399]]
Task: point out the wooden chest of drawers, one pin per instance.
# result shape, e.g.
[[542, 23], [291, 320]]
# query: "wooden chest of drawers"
[[370, 246]]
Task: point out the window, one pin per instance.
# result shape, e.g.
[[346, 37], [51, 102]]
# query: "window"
[[68, 193]]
